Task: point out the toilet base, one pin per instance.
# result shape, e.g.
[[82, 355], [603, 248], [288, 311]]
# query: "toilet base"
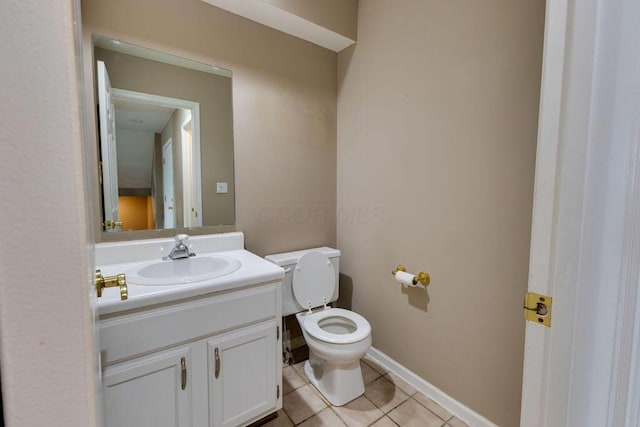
[[339, 384]]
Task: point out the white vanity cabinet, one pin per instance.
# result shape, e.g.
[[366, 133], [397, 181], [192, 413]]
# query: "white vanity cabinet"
[[159, 384], [242, 378], [211, 360]]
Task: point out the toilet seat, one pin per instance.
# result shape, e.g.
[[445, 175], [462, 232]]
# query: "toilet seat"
[[313, 283], [312, 326]]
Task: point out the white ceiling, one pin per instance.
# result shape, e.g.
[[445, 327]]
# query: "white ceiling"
[[135, 158], [141, 117]]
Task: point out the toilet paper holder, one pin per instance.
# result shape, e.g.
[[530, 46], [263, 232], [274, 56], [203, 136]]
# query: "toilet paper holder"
[[422, 277]]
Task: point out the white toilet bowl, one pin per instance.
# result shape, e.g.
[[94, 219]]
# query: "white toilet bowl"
[[337, 340]]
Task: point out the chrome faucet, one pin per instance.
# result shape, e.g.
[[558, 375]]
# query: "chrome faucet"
[[180, 250]]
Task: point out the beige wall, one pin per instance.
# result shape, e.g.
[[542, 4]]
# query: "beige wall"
[[46, 340], [437, 116], [340, 16], [284, 102], [151, 220], [213, 93]]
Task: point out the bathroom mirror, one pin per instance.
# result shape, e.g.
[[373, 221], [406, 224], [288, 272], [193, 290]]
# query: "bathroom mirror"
[[165, 127]]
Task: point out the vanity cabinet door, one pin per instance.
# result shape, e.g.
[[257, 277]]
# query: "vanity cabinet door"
[[242, 375], [153, 391]]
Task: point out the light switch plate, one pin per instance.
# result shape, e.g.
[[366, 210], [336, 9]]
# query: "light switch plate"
[[221, 188]]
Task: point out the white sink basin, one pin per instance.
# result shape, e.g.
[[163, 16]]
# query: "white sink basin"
[[180, 271]]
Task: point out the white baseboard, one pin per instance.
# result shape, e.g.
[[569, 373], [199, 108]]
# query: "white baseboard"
[[449, 403]]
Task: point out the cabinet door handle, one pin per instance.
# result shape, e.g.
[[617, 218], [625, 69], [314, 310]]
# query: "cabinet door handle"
[[183, 365], [216, 354]]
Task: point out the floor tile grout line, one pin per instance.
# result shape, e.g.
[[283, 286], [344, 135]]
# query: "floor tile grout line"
[[293, 389], [313, 415], [332, 408], [383, 416], [374, 405], [297, 373], [392, 409], [392, 420], [376, 420], [345, 422], [288, 417], [373, 379], [409, 397], [308, 418], [374, 368], [425, 407], [291, 419], [320, 395]]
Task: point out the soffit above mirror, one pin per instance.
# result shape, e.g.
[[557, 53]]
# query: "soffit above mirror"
[[331, 24]]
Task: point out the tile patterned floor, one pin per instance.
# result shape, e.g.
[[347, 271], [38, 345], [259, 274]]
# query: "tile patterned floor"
[[388, 401]]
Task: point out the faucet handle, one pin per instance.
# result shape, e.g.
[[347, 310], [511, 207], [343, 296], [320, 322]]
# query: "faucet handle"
[[181, 239]]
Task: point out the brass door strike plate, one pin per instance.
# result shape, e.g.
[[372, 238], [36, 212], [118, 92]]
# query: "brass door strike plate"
[[537, 308]]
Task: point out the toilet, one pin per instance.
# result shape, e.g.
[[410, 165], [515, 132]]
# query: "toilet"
[[337, 338]]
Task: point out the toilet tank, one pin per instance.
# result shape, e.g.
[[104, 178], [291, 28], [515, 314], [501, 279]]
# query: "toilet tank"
[[287, 261]]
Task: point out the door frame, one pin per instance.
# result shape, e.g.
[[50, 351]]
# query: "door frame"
[[585, 245]]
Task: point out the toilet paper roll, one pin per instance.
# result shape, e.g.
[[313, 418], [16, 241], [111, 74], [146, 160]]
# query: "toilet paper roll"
[[405, 278]]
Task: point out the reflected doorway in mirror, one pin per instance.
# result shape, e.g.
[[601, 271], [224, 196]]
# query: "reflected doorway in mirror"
[[145, 166]]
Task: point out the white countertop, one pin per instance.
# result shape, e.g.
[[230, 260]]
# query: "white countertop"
[[253, 270]]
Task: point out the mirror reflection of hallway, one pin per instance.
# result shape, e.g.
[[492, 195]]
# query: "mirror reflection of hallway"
[[136, 213], [145, 124]]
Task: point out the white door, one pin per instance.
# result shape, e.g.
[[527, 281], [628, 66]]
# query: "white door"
[[585, 248], [187, 190], [167, 185], [107, 122], [242, 375], [191, 199], [153, 391]]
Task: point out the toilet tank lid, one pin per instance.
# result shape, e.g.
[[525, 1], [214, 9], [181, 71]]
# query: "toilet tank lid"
[[290, 258]]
